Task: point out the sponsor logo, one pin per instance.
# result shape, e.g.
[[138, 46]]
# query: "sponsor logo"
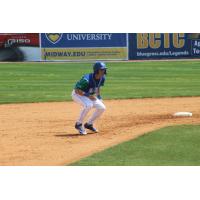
[[11, 42], [54, 37], [83, 53], [88, 36], [158, 40]]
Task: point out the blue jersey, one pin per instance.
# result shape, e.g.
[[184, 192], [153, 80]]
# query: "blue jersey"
[[89, 84]]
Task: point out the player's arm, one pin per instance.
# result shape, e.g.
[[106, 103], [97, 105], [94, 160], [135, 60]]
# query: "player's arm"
[[98, 90], [81, 86], [80, 92], [98, 94]]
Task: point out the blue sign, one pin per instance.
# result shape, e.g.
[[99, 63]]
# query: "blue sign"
[[159, 45], [81, 40], [195, 47]]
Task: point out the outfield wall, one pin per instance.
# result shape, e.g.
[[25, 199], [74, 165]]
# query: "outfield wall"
[[164, 45], [98, 46], [84, 46], [20, 47]]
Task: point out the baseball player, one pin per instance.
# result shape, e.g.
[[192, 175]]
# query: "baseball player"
[[87, 93]]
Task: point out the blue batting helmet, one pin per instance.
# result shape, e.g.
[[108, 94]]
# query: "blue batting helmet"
[[98, 66]]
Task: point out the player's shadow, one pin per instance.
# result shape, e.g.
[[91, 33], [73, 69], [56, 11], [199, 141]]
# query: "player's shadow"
[[70, 135]]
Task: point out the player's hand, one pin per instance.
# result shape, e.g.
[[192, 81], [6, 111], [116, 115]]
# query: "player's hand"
[[93, 98]]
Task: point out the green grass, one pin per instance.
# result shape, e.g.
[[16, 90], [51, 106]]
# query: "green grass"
[[40, 82], [171, 146]]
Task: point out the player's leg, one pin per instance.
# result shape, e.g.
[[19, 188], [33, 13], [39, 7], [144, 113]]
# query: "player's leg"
[[86, 106], [100, 108]]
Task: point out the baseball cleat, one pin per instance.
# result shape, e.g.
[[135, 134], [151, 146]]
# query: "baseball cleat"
[[80, 129], [90, 127]]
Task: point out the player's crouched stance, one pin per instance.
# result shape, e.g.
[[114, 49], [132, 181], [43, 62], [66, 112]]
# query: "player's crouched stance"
[[87, 93]]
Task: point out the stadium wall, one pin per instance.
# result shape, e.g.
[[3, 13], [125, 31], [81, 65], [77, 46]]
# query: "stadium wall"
[[98, 46], [19, 47], [83, 46], [163, 45]]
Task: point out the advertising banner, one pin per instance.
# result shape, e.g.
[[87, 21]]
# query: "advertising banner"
[[195, 44], [163, 45], [84, 46], [19, 47]]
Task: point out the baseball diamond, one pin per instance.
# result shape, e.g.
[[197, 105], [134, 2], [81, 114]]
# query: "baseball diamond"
[[38, 116]]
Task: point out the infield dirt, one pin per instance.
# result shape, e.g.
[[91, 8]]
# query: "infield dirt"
[[44, 134]]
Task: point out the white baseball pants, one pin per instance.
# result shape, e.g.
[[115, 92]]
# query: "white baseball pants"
[[87, 105]]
